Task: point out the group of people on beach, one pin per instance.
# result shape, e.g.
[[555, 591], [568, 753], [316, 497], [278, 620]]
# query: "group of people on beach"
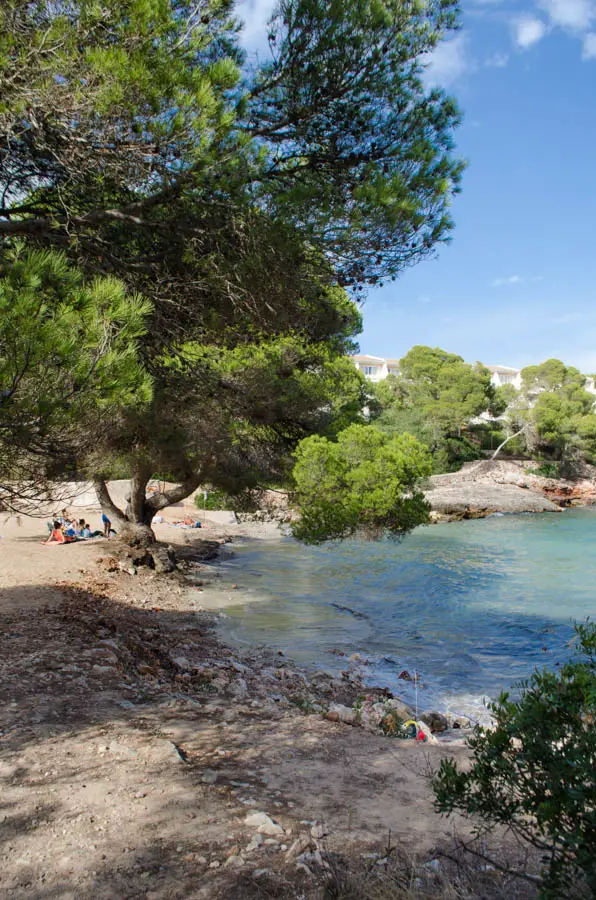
[[65, 529]]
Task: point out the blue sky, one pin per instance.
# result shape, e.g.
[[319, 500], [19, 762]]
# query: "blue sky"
[[517, 284]]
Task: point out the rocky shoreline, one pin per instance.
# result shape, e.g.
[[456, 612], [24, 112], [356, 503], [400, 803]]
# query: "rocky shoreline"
[[481, 489], [263, 674]]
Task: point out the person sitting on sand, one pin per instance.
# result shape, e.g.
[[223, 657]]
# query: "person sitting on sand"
[[69, 529], [58, 535]]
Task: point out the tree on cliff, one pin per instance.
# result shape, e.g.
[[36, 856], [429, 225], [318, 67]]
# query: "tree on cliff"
[[555, 413], [239, 200], [435, 397]]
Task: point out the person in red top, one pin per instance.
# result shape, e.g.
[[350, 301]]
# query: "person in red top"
[[57, 535]]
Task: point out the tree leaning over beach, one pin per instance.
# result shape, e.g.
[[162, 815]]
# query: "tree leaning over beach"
[[249, 202]]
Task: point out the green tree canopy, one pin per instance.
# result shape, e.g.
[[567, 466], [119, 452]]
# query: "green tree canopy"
[[555, 412], [69, 361], [239, 199], [364, 483], [435, 397], [533, 773]]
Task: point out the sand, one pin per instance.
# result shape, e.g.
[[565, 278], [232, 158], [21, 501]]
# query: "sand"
[[124, 775]]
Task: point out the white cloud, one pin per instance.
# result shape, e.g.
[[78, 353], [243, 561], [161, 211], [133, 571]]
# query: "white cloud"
[[575, 15], [515, 279], [528, 31], [497, 61], [256, 14], [424, 298], [448, 62], [589, 51]]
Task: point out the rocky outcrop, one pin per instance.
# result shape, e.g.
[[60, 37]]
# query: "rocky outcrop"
[[483, 488]]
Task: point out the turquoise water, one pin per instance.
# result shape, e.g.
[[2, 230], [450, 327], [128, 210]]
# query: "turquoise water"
[[471, 606]]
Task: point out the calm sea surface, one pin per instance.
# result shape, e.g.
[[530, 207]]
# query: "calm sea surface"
[[471, 606]]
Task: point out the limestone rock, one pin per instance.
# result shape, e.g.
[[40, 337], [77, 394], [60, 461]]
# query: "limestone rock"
[[301, 845], [462, 722], [339, 713], [436, 721]]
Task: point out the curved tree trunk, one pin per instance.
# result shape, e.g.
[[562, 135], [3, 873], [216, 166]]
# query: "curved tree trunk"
[[506, 441], [134, 523]]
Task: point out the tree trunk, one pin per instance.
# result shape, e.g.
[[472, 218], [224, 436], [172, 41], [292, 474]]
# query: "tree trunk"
[[134, 524], [506, 441], [136, 507]]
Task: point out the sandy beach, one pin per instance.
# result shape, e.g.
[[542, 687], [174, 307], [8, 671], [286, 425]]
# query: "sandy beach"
[[137, 750]]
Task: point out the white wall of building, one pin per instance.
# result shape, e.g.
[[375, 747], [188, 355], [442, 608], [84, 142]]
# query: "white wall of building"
[[377, 368]]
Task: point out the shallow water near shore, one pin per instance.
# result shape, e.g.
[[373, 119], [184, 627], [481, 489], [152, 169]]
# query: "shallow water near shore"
[[471, 606]]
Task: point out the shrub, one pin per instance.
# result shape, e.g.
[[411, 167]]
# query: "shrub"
[[546, 470], [535, 772]]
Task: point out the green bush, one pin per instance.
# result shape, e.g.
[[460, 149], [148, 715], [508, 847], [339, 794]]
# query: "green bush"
[[215, 500], [546, 470], [535, 772]]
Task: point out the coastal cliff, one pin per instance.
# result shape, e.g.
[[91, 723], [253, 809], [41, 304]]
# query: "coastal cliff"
[[508, 486]]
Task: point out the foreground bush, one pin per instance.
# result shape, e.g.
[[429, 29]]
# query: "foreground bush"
[[535, 773]]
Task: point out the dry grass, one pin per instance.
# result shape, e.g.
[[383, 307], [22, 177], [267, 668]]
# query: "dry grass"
[[396, 876]]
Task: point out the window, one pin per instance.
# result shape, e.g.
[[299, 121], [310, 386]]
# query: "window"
[[393, 370], [369, 370], [507, 379]]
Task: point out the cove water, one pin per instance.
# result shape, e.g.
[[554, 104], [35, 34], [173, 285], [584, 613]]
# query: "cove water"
[[471, 606]]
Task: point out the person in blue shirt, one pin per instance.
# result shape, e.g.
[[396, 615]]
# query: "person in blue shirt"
[[107, 525]]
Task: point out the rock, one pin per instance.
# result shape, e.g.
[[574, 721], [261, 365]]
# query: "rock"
[[405, 675], [144, 669], [402, 709], [103, 670], [238, 688], [462, 722], [436, 721], [181, 662], [215, 864], [209, 776], [344, 714], [109, 563], [142, 557], [255, 843], [164, 560], [234, 861], [318, 832], [300, 846], [256, 819], [258, 873], [270, 829]]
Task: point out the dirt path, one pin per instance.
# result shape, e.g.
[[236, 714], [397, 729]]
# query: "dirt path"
[[134, 747]]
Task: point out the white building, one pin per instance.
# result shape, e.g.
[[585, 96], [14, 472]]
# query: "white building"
[[377, 368], [500, 375]]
